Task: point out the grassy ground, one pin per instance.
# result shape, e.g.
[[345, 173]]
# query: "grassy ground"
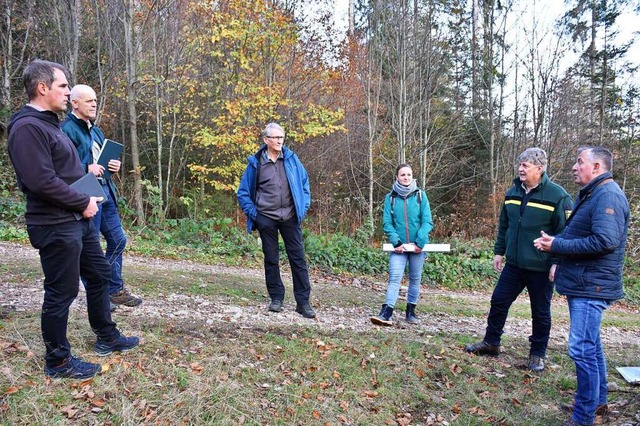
[[284, 370]]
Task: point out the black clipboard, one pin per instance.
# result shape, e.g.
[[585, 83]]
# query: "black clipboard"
[[88, 185], [111, 150]]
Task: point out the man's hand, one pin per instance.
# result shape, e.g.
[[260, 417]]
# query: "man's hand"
[[114, 166], [544, 243], [552, 273], [92, 208], [96, 169], [399, 249], [497, 263]]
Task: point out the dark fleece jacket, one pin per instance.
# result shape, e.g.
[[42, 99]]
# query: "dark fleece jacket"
[[46, 162]]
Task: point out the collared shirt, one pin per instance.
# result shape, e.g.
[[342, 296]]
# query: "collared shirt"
[[273, 197]]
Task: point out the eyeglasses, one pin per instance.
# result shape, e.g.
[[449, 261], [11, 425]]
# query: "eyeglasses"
[[274, 137]]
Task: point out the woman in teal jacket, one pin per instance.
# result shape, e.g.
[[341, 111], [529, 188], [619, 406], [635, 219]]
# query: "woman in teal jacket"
[[407, 222]]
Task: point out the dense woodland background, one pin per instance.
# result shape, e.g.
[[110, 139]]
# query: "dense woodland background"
[[456, 88]]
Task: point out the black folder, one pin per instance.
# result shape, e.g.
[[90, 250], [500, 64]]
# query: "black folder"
[[88, 185], [111, 150]]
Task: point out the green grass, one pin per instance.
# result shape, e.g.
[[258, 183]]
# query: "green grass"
[[195, 372]]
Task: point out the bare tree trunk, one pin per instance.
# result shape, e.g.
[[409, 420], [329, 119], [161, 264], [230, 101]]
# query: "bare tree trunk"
[[12, 62], [66, 15], [130, 59], [158, 90]]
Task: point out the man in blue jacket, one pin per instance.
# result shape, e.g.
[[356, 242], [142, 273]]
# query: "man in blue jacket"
[[274, 194], [591, 254], [88, 140], [46, 163]]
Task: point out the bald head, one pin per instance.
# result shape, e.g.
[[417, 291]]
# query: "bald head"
[[84, 102]]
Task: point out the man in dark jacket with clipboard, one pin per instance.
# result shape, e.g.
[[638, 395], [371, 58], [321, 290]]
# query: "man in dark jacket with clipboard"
[[46, 164], [89, 141]]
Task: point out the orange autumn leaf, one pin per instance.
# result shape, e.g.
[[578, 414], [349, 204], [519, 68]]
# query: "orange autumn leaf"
[[12, 389]]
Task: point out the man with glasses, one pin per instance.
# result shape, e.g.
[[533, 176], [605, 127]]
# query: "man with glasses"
[[274, 194]]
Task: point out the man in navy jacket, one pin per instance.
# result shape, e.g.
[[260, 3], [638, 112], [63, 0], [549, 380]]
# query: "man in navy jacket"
[[46, 163], [274, 194], [591, 253]]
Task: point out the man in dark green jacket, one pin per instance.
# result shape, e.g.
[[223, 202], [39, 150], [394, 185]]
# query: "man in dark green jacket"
[[534, 203]]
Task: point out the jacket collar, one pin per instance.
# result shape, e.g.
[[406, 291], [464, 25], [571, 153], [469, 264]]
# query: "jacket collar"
[[543, 180], [588, 188]]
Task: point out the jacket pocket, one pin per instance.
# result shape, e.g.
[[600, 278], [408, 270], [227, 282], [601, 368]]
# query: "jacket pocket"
[[570, 276]]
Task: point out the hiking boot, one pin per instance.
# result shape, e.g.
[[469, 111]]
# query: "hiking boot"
[[536, 363], [482, 348], [123, 297], [411, 317], [275, 305], [73, 368], [601, 410], [305, 310], [121, 344], [384, 317], [112, 306]]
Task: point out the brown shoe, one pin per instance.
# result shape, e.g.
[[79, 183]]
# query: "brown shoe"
[[123, 297], [601, 410], [482, 348]]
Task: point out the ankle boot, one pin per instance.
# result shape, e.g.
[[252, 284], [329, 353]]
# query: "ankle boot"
[[411, 314], [384, 318]]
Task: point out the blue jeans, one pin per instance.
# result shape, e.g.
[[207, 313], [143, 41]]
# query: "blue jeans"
[[291, 233], [68, 250], [107, 221], [397, 265], [585, 349], [510, 284]]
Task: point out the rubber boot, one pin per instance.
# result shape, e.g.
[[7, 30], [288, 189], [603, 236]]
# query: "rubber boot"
[[411, 314], [384, 318]]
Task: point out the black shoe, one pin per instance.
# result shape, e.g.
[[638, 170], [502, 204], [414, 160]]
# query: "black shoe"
[[482, 348], [275, 305], [306, 310], [411, 317], [384, 317], [536, 363]]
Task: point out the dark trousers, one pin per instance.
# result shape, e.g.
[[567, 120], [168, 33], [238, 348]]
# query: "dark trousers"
[[68, 250], [292, 236], [510, 284]]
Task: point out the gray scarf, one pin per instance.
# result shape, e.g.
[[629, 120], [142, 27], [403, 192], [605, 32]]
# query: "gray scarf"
[[405, 191]]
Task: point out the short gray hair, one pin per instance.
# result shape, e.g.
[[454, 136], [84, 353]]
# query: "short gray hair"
[[535, 156], [270, 126], [600, 155]]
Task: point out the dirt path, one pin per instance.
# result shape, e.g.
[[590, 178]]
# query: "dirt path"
[[209, 310]]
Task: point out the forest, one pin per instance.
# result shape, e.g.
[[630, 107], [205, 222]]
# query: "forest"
[[456, 88]]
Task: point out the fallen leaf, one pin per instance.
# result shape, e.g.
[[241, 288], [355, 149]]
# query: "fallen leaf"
[[12, 389], [70, 411], [370, 394], [316, 415]]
